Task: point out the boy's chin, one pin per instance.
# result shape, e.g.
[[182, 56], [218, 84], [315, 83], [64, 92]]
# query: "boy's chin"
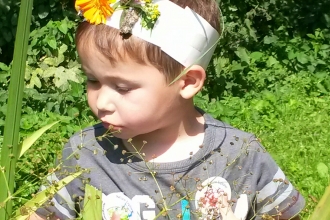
[[121, 134]]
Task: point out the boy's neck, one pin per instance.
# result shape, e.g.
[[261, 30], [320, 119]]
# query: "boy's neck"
[[177, 141]]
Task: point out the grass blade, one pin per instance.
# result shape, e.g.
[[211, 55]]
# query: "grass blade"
[[9, 152], [29, 141]]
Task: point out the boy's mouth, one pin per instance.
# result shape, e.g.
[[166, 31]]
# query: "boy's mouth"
[[111, 126]]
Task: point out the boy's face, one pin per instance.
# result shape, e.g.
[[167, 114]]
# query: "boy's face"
[[131, 97]]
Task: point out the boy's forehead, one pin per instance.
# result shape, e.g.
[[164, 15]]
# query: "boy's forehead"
[[128, 70], [117, 53]]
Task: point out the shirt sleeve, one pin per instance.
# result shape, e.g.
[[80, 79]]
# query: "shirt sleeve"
[[275, 195]]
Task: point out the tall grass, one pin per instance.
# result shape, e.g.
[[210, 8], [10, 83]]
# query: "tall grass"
[[10, 149]]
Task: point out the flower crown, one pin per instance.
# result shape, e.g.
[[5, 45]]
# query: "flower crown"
[[97, 12], [179, 32]]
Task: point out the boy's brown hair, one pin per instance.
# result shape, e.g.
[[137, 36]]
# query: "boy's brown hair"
[[117, 47]]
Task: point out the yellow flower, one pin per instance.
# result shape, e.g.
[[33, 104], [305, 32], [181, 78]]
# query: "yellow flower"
[[95, 11]]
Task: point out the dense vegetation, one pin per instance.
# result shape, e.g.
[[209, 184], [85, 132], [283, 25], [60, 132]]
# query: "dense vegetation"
[[270, 76]]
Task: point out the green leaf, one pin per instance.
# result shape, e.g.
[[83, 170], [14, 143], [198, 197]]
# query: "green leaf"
[[325, 47], [29, 141], [62, 77], [242, 54], [63, 27], [76, 90], [52, 43], [4, 67], [30, 207], [256, 55], [302, 58], [270, 39], [63, 48], [35, 81], [322, 170], [232, 8], [291, 55], [271, 61], [92, 203], [322, 88], [237, 66], [51, 61], [311, 36]]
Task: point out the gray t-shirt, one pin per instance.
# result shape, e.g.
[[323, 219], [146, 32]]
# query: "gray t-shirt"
[[230, 161]]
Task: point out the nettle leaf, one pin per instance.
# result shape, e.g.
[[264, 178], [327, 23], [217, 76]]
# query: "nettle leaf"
[[322, 170]]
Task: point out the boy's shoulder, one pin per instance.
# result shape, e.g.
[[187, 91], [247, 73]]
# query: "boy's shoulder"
[[226, 133]]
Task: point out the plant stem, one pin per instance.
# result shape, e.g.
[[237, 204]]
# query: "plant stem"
[[10, 151]]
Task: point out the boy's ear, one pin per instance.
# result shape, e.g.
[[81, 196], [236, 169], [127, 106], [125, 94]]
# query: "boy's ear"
[[192, 82]]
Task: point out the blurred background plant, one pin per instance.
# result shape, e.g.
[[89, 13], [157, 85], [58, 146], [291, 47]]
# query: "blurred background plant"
[[270, 76]]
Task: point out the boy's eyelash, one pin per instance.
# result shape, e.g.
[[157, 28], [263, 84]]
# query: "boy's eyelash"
[[122, 89], [92, 80], [118, 88]]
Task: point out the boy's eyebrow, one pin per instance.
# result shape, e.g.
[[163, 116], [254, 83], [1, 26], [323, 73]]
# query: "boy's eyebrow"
[[115, 78]]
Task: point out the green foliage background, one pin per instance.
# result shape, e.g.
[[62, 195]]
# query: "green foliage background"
[[270, 76]]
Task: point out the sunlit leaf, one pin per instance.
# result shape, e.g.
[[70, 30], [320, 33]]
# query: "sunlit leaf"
[[242, 54], [28, 142]]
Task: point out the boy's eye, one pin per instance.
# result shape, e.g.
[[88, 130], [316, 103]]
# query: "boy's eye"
[[92, 80], [122, 89]]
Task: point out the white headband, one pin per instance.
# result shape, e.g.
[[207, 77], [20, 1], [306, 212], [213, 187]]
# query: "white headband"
[[180, 32]]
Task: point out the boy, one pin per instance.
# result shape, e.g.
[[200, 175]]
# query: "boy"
[[155, 155]]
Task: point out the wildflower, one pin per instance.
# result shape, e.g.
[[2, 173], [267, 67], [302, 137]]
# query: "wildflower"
[[95, 11]]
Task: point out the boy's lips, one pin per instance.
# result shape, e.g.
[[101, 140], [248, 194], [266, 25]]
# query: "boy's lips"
[[111, 126]]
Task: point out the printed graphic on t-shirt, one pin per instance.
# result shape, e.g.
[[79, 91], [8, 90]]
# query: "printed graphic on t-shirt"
[[212, 190], [142, 207], [121, 204]]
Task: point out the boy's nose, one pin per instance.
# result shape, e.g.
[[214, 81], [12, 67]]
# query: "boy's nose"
[[104, 101]]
